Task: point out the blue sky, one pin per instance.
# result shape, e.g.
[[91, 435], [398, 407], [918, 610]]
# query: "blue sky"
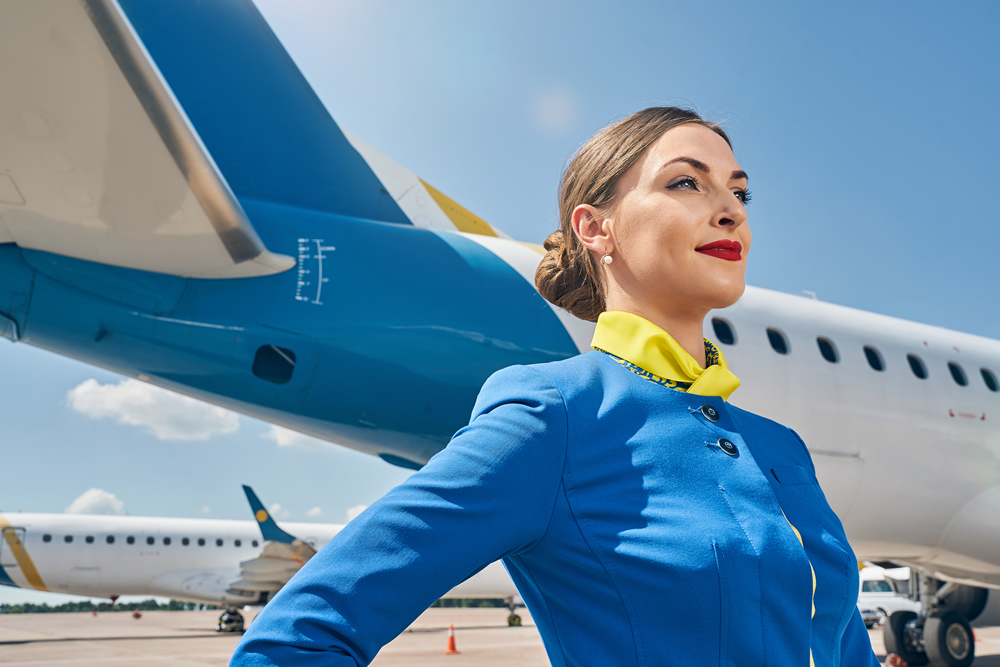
[[868, 131]]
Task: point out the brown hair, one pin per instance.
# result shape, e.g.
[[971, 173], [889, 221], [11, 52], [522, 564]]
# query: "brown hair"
[[568, 276]]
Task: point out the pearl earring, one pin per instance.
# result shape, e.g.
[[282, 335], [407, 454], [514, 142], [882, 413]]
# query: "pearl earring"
[[607, 259]]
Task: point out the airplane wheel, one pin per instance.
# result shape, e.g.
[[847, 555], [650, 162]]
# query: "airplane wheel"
[[514, 621], [949, 641], [896, 641]]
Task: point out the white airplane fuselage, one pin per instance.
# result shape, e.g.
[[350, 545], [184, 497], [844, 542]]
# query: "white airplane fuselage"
[[911, 466], [157, 561]]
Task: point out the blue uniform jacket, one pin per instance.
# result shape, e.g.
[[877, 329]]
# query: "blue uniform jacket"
[[633, 537]]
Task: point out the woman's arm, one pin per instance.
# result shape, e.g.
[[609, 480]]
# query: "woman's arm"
[[488, 494]]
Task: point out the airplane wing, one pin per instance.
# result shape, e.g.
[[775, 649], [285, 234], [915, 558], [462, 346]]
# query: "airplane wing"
[[99, 161], [281, 558]]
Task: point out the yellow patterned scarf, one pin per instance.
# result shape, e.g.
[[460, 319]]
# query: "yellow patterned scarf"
[[642, 343]]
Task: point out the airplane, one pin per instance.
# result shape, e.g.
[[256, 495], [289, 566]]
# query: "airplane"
[[233, 563], [178, 206]]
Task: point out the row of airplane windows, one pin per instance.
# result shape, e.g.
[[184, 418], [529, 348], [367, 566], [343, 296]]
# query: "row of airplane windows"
[[726, 333], [166, 541]]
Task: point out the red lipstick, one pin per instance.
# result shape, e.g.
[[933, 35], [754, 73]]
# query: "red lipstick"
[[724, 249]]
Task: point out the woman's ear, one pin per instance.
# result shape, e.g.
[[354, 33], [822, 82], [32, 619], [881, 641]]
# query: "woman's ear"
[[593, 230]]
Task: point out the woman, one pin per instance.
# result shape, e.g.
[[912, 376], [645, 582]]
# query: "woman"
[[644, 520]]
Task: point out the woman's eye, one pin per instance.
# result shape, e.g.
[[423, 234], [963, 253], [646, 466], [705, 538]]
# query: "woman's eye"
[[743, 195], [686, 183]]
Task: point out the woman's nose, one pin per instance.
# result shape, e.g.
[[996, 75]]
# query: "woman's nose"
[[732, 212]]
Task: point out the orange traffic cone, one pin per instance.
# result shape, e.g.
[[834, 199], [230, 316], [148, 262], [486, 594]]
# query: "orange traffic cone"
[[451, 650]]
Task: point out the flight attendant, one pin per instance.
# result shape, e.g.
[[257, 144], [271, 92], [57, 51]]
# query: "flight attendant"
[[644, 519]]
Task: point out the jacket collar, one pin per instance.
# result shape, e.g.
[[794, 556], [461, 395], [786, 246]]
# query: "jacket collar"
[[642, 343]]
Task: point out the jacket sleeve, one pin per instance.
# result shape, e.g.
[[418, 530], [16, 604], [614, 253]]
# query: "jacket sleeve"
[[855, 645], [488, 494]]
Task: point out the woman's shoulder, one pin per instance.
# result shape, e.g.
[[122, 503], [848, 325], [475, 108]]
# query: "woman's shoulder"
[[567, 377]]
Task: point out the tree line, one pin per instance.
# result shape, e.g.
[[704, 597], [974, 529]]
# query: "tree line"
[[87, 605]]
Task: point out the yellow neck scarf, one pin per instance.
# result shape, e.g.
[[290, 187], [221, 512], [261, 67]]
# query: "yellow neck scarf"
[[642, 343]]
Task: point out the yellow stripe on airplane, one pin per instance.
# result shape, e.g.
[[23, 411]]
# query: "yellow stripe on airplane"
[[20, 554], [462, 218]]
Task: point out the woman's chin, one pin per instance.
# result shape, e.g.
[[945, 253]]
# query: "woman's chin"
[[725, 295]]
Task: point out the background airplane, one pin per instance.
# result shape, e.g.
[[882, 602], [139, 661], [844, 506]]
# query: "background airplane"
[[213, 561], [191, 329]]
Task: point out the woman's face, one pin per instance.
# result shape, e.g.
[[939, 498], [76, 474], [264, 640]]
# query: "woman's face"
[[679, 234]]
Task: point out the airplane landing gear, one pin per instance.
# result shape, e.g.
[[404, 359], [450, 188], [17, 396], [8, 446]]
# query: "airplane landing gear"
[[231, 620], [948, 639], [940, 634], [514, 620], [903, 635]]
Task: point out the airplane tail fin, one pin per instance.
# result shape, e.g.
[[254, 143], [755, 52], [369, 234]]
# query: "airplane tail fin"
[[268, 527], [268, 132]]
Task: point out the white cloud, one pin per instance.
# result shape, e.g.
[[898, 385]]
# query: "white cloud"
[[314, 512], [96, 501], [165, 414], [354, 511], [277, 512], [555, 111], [205, 509], [288, 438]]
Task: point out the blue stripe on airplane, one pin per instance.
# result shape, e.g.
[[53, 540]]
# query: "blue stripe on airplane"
[[266, 129], [409, 325], [5, 579]]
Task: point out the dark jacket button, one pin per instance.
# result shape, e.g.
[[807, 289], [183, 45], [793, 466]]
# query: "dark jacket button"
[[711, 414], [728, 447]]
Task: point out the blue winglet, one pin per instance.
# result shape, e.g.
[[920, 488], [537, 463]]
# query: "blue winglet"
[[268, 528]]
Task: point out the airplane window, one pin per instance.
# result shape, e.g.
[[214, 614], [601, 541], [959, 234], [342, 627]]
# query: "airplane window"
[[274, 364], [218, 543], [828, 350], [237, 543], [68, 538], [185, 541], [724, 331], [166, 541], [917, 366], [46, 538], [990, 379], [778, 341], [110, 539], [150, 540], [254, 543], [874, 358], [201, 541], [130, 539], [90, 539], [957, 374]]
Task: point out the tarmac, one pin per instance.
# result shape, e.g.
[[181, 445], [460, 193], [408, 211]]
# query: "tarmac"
[[188, 638]]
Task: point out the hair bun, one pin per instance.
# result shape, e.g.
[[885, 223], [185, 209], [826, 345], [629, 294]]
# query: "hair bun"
[[563, 280]]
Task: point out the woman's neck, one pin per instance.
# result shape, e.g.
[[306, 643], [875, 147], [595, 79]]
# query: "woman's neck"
[[686, 326]]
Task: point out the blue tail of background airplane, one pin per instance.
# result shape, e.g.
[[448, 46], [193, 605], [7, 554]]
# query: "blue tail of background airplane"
[[269, 529]]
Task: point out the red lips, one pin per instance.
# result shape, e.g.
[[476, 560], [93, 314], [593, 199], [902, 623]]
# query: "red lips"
[[724, 249]]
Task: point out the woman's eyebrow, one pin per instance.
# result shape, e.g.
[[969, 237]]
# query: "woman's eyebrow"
[[697, 164], [701, 166]]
